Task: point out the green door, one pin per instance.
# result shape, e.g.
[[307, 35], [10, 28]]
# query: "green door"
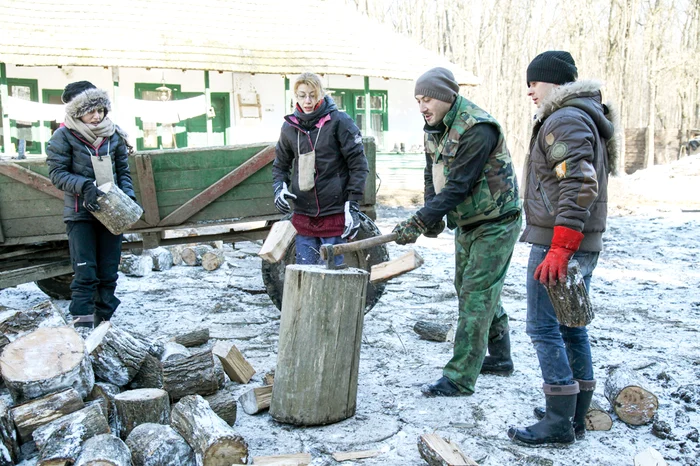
[[53, 97], [158, 135], [220, 102], [352, 102]]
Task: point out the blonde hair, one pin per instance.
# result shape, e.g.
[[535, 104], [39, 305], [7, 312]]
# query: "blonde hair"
[[312, 80]]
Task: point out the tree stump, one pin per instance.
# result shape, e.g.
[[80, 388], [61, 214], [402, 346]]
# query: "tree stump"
[[434, 332], [215, 443], [436, 451], [319, 345], [235, 365], [116, 356], [47, 360], [9, 445], [597, 417], [162, 259], [570, 298], [159, 445], [35, 413], [106, 392], [194, 374], [192, 255], [104, 450], [141, 406], [150, 375], [212, 260], [117, 211], [223, 403], [256, 400], [194, 338], [631, 401], [173, 351], [136, 266], [60, 440]]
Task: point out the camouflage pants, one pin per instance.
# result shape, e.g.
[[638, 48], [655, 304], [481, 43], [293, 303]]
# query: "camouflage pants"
[[482, 257]]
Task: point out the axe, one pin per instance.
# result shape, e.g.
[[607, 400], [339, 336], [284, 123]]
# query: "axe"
[[329, 251]]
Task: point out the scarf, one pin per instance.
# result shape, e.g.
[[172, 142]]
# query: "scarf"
[[92, 134]]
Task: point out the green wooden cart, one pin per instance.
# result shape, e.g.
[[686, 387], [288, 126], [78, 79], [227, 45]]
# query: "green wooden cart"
[[180, 188]]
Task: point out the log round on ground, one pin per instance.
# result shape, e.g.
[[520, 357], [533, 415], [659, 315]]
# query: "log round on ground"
[[104, 450], [159, 445], [631, 401], [47, 360], [141, 406]]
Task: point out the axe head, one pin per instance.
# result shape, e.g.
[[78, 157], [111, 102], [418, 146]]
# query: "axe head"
[[328, 255]]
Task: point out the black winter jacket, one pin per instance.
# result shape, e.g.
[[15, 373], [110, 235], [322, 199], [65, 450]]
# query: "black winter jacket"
[[341, 164], [68, 158]]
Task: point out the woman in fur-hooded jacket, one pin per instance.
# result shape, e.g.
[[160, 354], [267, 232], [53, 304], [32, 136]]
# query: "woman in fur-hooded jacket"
[[86, 137]]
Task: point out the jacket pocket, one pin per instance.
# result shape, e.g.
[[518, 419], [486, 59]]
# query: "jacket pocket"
[[545, 199]]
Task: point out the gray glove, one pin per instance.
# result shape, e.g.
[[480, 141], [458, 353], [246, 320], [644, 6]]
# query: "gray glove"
[[352, 219], [281, 195]]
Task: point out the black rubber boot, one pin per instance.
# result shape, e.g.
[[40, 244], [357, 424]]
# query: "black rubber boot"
[[498, 362], [556, 427], [583, 402], [86, 321], [99, 319], [443, 387]]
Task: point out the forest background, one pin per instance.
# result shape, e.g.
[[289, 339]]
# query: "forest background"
[[646, 52]]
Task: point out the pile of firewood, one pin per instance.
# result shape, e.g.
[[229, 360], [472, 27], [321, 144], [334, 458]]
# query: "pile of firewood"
[[209, 256], [115, 398]]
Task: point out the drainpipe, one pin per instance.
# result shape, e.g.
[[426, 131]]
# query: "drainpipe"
[[207, 98], [368, 110], [6, 141]]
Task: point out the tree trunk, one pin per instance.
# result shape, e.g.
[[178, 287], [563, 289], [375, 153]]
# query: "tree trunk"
[[195, 374], [48, 360], [434, 332], [8, 438], [117, 211], [34, 414], [60, 440], [317, 361], [437, 451], [141, 406], [256, 400], [150, 375], [215, 443], [192, 255], [104, 450], [223, 403], [159, 445], [193, 338], [633, 404], [235, 365], [116, 356], [212, 260]]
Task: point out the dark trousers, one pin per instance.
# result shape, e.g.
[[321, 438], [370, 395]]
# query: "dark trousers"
[[95, 254]]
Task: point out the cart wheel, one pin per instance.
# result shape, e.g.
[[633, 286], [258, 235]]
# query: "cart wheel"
[[57, 287], [273, 274]]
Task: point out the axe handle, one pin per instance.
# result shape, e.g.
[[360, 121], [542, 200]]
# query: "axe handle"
[[360, 244]]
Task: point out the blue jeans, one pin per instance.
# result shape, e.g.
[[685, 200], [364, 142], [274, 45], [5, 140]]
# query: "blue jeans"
[[309, 249], [564, 352]]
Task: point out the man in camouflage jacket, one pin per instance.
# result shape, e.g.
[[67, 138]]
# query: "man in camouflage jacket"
[[469, 177]]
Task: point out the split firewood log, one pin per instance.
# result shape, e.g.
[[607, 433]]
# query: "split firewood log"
[[278, 240], [14, 323], [159, 445], [256, 400], [117, 211], [47, 360], [162, 258], [150, 374], [212, 260], [434, 331], [355, 455], [9, 443], [192, 255], [35, 413], [235, 365], [393, 268], [136, 266], [269, 377], [194, 338], [631, 401], [173, 351], [194, 374], [215, 443], [104, 450], [116, 356], [436, 451], [61, 439], [106, 392], [223, 403], [141, 406], [296, 459]]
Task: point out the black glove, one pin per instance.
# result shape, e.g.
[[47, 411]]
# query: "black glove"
[[90, 195], [352, 219], [435, 229], [281, 195]]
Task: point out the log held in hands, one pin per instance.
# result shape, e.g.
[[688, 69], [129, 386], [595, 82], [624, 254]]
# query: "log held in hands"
[[570, 299], [319, 345], [117, 211]]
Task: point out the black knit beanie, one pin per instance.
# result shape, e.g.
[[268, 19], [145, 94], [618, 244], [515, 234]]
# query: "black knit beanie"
[[74, 89], [553, 66], [438, 83]]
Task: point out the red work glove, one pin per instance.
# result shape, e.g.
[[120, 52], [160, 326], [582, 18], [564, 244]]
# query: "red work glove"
[[565, 243]]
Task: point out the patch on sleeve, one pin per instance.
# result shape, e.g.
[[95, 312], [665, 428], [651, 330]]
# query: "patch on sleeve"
[[549, 139], [559, 151], [358, 139], [560, 170]]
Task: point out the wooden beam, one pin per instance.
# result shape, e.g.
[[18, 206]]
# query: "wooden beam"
[[37, 272], [221, 187], [28, 177], [147, 189]]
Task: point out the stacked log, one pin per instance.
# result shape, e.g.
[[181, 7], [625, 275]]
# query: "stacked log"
[[104, 450], [106, 392], [136, 266], [223, 403], [194, 374], [213, 259], [33, 414], [192, 255], [159, 445], [9, 443], [197, 337], [14, 323], [141, 406], [116, 356]]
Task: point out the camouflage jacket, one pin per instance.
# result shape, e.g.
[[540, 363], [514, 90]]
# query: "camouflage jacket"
[[495, 193], [572, 150]]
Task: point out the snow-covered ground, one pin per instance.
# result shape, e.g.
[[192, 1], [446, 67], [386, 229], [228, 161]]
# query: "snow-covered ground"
[[645, 291]]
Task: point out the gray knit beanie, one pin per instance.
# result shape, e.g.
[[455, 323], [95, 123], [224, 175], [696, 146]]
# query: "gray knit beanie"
[[553, 66], [438, 83]]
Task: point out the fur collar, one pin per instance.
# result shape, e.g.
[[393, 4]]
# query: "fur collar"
[[560, 94], [87, 101]]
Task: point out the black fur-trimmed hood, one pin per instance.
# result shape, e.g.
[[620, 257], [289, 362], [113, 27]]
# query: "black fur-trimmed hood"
[[87, 101]]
